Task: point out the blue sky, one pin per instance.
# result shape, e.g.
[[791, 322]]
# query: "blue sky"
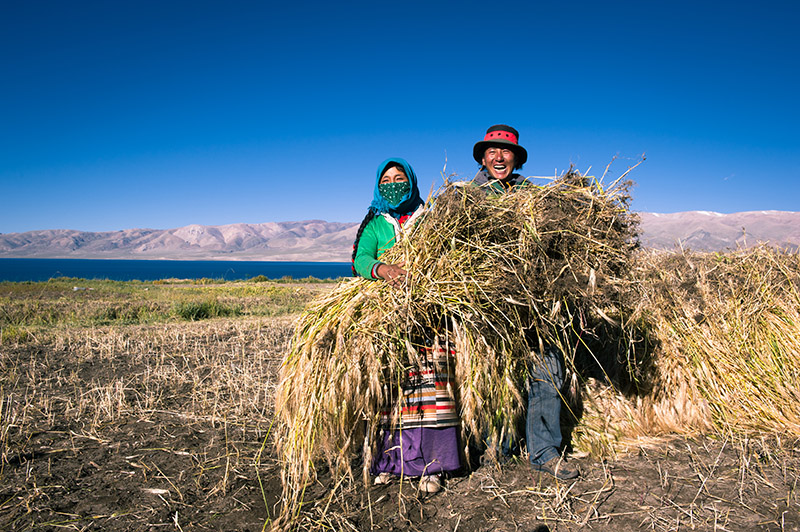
[[159, 114]]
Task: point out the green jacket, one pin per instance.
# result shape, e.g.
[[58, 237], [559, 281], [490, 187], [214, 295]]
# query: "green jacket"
[[378, 236]]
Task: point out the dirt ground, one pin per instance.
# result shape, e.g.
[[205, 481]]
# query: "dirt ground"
[[94, 439]]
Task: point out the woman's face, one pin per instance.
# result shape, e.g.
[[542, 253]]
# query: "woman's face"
[[394, 175]]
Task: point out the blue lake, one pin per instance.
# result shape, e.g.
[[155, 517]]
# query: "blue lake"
[[150, 270]]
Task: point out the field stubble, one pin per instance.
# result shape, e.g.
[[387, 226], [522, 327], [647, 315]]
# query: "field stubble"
[[163, 423], [151, 420]]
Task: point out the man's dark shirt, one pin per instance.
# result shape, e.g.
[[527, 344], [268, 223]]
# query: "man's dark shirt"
[[483, 179]]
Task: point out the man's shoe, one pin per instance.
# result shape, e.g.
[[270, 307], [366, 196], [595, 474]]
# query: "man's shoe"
[[430, 483], [558, 468]]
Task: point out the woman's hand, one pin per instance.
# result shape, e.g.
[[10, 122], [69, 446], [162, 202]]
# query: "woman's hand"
[[393, 274]]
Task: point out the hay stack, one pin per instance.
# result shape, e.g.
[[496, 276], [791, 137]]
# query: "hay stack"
[[498, 272], [726, 350], [663, 342]]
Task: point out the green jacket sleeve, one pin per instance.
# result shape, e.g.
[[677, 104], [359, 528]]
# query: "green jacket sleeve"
[[377, 237]]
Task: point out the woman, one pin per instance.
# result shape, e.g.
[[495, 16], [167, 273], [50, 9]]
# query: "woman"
[[395, 201], [421, 440]]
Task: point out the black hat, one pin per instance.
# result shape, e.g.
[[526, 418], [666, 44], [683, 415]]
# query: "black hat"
[[501, 135]]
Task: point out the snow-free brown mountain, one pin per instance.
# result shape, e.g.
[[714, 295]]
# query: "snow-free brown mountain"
[[310, 240], [713, 231], [317, 240]]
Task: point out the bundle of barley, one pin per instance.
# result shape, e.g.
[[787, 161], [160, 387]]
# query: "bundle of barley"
[[728, 353], [488, 273]]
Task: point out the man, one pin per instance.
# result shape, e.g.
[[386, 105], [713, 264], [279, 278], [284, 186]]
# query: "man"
[[500, 154]]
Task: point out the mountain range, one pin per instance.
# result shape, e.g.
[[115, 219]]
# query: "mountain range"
[[317, 240]]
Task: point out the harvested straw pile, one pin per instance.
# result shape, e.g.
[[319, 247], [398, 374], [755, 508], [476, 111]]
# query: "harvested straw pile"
[[727, 349], [493, 274]]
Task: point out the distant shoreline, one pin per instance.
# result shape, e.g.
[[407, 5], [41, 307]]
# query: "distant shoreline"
[[26, 269], [215, 258]]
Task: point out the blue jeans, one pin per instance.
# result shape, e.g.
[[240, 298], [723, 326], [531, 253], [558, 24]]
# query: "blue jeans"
[[543, 420]]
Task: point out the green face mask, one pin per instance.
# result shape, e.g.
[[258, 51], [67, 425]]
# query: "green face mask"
[[394, 192]]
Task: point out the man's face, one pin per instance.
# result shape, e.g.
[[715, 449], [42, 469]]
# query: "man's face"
[[499, 162]]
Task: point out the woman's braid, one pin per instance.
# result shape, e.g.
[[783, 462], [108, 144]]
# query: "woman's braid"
[[370, 215]]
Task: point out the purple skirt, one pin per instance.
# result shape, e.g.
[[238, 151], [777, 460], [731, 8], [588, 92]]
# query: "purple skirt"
[[416, 452]]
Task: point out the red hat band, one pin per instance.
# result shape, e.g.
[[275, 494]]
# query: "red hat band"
[[501, 135]]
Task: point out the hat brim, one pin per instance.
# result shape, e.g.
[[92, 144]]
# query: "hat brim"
[[480, 148]]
